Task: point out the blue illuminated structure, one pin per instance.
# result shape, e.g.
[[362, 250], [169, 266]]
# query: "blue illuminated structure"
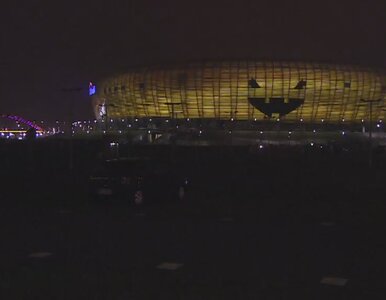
[[91, 89]]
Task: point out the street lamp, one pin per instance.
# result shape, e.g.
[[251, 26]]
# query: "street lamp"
[[172, 104], [71, 117], [370, 102], [173, 111]]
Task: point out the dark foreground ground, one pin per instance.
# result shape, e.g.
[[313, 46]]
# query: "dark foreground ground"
[[254, 225]]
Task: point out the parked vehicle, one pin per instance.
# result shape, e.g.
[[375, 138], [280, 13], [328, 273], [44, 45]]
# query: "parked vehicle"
[[137, 181]]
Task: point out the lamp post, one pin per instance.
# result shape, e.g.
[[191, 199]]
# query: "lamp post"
[[370, 102], [172, 105], [71, 117]]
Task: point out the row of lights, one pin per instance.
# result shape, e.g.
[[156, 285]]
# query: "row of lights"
[[167, 120], [229, 132], [255, 119], [378, 125], [78, 123], [19, 136], [149, 131]]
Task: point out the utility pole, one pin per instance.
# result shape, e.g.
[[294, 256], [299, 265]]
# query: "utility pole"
[[370, 102]]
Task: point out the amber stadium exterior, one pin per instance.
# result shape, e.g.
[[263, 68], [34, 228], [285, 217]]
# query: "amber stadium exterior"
[[245, 90]]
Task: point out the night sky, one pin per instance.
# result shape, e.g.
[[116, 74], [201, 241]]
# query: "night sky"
[[46, 46]]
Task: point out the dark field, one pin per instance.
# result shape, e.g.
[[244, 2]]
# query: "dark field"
[[256, 224]]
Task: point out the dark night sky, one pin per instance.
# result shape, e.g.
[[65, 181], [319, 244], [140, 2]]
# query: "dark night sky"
[[49, 45]]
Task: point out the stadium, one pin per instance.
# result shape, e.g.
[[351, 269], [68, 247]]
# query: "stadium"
[[262, 92]]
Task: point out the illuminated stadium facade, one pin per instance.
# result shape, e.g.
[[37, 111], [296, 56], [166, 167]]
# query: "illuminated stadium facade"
[[245, 90]]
